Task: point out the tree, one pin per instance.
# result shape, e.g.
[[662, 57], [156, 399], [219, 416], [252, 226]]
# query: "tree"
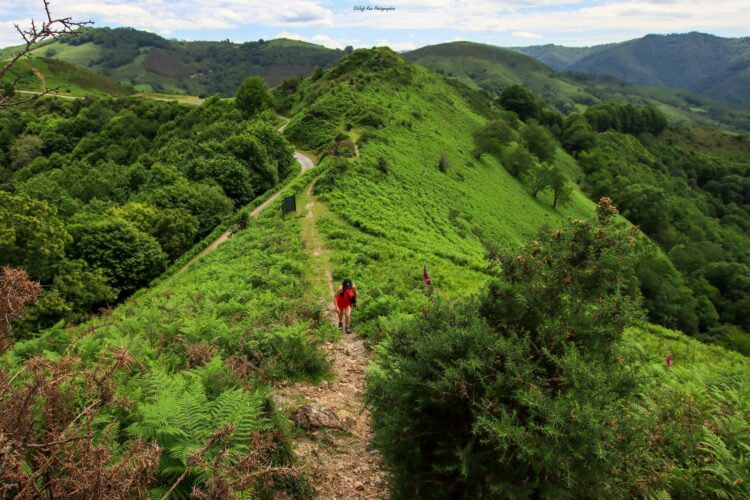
[[539, 142], [522, 102], [517, 395], [519, 162], [491, 138], [229, 173], [577, 134], [205, 201], [32, 37], [31, 235], [539, 178], [128, 257], [647, 206], [175, 229], [25, 149], [253, 96], [561, 189], [264, 173]]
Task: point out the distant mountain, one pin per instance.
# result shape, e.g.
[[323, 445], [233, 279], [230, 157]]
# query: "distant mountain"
[[711, 66], [559, 57], [150, 63], [494, 68]]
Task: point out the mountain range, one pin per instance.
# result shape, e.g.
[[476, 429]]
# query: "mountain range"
[[708, 65]]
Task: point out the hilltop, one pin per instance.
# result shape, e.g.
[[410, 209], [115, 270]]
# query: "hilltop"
[[494, 68], [150, 63], [711, 66]]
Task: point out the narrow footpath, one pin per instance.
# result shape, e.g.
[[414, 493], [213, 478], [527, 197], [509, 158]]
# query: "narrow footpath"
[[334, 452]]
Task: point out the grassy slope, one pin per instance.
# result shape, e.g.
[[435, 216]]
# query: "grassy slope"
[[69, 78], [388, 224], [494, 68]]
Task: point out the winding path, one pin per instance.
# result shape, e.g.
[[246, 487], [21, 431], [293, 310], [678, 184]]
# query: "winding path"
[[305, 162]]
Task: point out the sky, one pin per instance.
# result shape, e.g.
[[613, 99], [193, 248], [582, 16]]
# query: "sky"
[[400, 24]]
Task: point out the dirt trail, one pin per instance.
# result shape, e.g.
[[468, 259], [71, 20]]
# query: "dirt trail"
[[38, 74], [338, 463]]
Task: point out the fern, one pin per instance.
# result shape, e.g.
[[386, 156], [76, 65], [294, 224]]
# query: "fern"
[[181, 418]]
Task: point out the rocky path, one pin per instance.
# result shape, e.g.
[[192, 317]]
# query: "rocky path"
[[334, 452]]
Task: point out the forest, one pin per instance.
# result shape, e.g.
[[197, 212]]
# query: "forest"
[[102, 195]]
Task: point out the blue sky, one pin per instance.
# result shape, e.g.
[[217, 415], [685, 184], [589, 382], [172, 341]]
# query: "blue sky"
[[406, 24]]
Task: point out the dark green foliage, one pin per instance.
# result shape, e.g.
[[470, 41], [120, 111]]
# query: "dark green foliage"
[[173, 172], [515, 396], [686, 190], [253, 96], [443, 163], [175, 229], [539, 142], [577, 134], [229, 173], [128, 257], [667, 298], [32, 236], [519, 162], [491, 138], [626, 118], [521, 101]]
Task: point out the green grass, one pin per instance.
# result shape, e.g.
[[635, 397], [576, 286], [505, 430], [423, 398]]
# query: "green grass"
[[67, 78], [387, 225]]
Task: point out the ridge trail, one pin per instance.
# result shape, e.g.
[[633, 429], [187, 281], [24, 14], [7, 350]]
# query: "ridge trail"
[[337, 462]]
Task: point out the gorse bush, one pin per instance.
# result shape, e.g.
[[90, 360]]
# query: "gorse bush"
[[516, 394]]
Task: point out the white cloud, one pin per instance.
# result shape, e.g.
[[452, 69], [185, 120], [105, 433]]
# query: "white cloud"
[[551, 19], [526, 34], [169, 15], [397, 46], [290, 36], [327, 41]]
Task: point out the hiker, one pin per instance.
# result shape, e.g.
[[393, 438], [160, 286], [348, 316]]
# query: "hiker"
[[345, 298]]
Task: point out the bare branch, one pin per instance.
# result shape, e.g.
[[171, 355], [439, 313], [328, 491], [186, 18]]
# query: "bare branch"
[[51, 29]]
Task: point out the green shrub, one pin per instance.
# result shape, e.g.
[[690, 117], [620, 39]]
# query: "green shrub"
[[514, 396], [443, 164], [382, 164]]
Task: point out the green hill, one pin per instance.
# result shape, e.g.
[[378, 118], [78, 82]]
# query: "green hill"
[[493, 69], [711, 66], [559, 57], [41, 73], [150, 63], [399, 185]]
